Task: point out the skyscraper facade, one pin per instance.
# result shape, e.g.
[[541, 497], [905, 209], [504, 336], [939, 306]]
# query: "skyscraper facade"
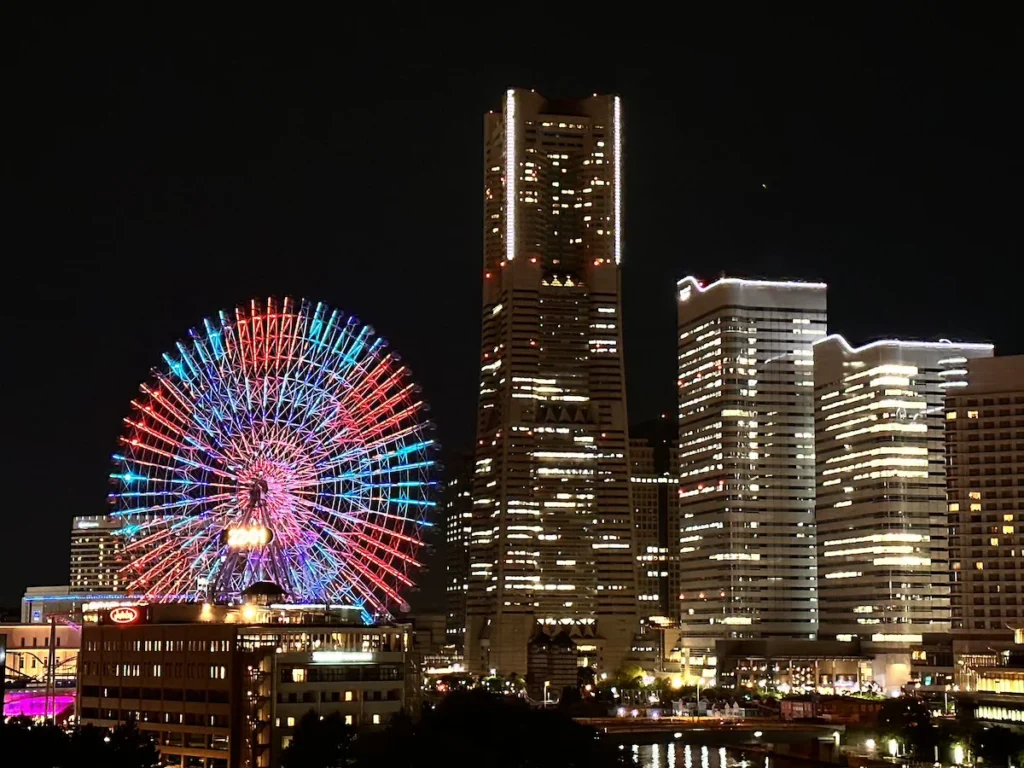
[[458, 509], [551, 541], [97, 554], [746, 542], [883, 548], [653, 474], [985, 490]]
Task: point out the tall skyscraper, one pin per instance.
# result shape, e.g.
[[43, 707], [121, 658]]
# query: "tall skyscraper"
[[985, 490], [883, 548], [654, 463], [746, 459], [97, 554], [551, 542], [458, 509]]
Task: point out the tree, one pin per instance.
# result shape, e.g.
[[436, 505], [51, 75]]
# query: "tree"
[[130, 748], [474, 728], [514, 684], [27, 744], [24, 743], [997, 745], [909, 720], [628, 673], [570, 697], [393, 745], [319, 743]]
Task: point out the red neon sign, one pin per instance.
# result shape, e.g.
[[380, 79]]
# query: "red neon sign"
[[125, 614]]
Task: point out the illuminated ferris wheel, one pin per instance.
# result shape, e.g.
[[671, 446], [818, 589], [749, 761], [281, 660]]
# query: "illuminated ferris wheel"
[[282, 444]]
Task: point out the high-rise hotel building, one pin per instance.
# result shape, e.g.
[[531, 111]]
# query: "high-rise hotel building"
[[551, 542], [985, 490], [746, 541], [97, 554], [883, 548]]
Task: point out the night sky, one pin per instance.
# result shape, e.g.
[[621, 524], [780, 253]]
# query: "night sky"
[[159, 168]]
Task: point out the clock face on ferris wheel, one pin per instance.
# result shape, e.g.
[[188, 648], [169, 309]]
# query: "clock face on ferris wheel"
[[281, 444]]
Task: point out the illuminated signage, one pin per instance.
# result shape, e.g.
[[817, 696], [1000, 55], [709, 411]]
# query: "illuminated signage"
[[341, 657], [88, 524], [126, 614], [249, 537], [105, 605]]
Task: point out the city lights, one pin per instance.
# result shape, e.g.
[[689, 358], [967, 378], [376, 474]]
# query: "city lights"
[[688, 512]]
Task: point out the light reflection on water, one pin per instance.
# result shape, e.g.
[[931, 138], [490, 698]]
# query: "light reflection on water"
[[690, 756]]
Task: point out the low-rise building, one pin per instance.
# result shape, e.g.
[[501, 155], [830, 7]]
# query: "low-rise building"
[[224, 687], [40, 663], [793, 665], [41, 653], [999, 696], [835, 709]]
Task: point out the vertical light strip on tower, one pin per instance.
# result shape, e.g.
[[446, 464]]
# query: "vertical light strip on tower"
[[617, 138], [510, 174]]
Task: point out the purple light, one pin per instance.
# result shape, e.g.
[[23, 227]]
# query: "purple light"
[[33, 703]]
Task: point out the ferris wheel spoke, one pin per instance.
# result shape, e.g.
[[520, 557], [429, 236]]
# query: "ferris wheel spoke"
[[357, 577], [360, 451], [188, 410], [381, 564], [358, 521], [167, 439], [137, 444], [380, 397]]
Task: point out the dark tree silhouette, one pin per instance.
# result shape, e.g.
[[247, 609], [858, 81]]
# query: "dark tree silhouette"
[[27, 745], [999, 745], [130, 748], [909, 720], [317, 743], [478, 729]]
